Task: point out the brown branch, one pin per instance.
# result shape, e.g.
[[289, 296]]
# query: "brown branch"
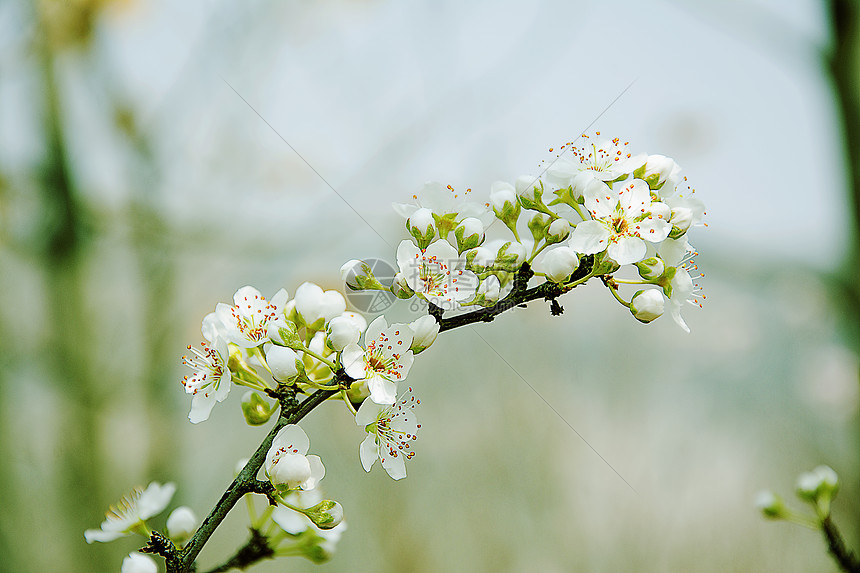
[[846, 559]]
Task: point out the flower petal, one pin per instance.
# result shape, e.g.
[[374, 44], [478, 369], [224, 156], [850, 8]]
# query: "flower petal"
[[368, 452], [589, 237]]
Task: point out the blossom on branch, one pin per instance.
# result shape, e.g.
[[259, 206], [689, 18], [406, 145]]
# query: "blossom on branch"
[[211, 379], [385, 360], [286, 464], [132, 511], [437, 273], [247, 322], [390, 429]]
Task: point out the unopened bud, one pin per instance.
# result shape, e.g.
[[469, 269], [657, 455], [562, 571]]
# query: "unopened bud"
[[358, 275], [657, 170], [538, 225], [530, 191], [341, 332], [422, 226], [181, 524], [647, 305], [283, 362], [138, 563], [820, 484], [558, 231], [651, 268], [255, 408], [326, 514], [469, 234], [400, 288], [425, 330], [503, 197], [682, 218], [290, 471], [510, 256], [770, 505], [490, 289], [558, 263]]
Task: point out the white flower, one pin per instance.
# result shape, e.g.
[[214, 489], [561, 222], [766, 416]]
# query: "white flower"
[[647, 305], [131, 511], [490, 289], [686, 212], [247, 322], [678, 254], [211, 379], [622, 221], [181, 524], [557, 264], [313, 304], [437, 273], [138, 563], [286, 463], [657, 170], [424, 332], [385, 360], [442, 200], [390, 429], [605, 160]]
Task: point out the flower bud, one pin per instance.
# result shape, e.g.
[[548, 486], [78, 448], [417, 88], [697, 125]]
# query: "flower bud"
[[822, 482], [657, 169], [287, 334], [770, 505], [290, 471], [316, 306], [538, 225], [505, 204], [479, 259], [341, 332], [425, 330], [651, 268], [682, 218], [510, 256], [558, 231], [400, 288], [181, 524], [490, 289], [255, 408], [558, 263], [326, 514], [357, 275], [283, 362], [422, 226], [530, 191], [469, 233], [647, 305], [138, 563]]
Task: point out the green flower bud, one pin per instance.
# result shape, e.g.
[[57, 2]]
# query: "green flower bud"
[[558, 231], [651, 268], [326, 514], [357, 275], [421, 225], [469, 233], [538, 225], [255, 408], [770, 505]]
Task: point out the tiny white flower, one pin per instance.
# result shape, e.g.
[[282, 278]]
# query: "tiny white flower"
[[131, 511], [139, 563], [181, 524], [248, 320], [390, 429], [385, 360], [286, 463], [438, 273], [313, 304], [211, 379], [623, 219], [425, 330]]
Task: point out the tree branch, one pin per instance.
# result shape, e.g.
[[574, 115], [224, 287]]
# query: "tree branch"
[[846, 559]]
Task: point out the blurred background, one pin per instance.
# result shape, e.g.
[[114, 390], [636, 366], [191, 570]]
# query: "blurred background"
[[138, 189]]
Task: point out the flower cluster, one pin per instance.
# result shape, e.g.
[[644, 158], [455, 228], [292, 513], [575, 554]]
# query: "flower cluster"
[[597, 211]]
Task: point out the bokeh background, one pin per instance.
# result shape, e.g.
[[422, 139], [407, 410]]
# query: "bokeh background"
[[152, 161]]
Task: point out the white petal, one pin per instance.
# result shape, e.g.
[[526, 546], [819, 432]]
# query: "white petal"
[[317, 472], [352, 359], [201, 406], [292, 438], [589, 237], [599, 199], [368, 413], [627, 250], [155, 498], [382, 391], [394, 465], [290, 520], [103, 536], [375, 328], [368, 452]]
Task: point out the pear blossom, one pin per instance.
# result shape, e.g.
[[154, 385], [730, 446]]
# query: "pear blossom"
[[390, 429], [314, 304], [385, 360], [138, 563], [443, 200], [287, 465], [438, 273], [248, 321], [341, 331], [677, 254], [490, 289], [131, 511], [602, 160], [686, 212], [657, 170], [282, 361], [623, 219], [211, 380]]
